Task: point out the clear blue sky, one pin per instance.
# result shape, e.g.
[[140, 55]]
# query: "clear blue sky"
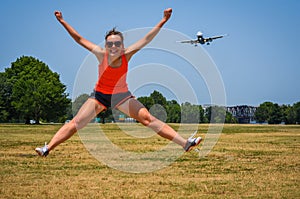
[[258, 62]]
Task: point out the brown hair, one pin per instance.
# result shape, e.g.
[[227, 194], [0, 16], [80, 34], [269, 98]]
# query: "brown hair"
[[114, 32]]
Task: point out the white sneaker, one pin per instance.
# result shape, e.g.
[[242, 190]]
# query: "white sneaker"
[[43, 151], [192, 142]]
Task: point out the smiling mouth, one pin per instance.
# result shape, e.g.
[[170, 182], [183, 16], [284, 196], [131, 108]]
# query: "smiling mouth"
[[114, 51]]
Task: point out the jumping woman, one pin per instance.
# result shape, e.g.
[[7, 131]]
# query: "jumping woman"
[[111, 89]]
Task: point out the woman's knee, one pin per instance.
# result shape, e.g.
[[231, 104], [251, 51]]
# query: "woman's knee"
[[155, 124], [145, 117], [76, 124], [150, 121]]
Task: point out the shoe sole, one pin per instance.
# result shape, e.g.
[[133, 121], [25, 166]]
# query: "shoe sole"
[[192, 147], [38, 152]]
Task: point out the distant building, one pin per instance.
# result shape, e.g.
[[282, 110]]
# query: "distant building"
[[125, 119], [244, 114]]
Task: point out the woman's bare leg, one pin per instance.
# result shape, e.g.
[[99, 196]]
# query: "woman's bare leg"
[[87, 112], [136, 110]]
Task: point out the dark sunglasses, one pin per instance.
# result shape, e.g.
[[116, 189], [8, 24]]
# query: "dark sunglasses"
[[111, 43]]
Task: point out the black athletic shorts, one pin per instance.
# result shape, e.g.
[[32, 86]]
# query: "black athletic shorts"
[[111, 100]]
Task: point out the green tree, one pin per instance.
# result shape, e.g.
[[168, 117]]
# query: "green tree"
[[173, 112], [4, 114], [159, 106], [276, 115], [78, 102], [262, 112], [81, 99], [7, 111], [291, 114], [229, 118], [156, 103], [107, 115], [296, 108], [269, 112], [202, 115], [216, 114], [148, 102], [158, 98], [190, 113], [37, 92]]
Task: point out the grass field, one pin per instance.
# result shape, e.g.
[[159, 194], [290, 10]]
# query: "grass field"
[[248, 161]]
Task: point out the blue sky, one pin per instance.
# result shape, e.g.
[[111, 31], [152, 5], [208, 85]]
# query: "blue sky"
[[259, 61]]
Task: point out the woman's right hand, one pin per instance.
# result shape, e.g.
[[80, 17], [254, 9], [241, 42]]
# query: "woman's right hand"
[[58, 15]]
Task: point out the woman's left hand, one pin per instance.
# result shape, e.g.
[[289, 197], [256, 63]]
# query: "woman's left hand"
[[167, 13]]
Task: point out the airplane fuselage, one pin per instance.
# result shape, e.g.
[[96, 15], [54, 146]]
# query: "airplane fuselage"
[[201, 40]]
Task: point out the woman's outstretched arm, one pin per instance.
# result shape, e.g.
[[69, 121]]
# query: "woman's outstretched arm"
[[131, 50], [98, 51]]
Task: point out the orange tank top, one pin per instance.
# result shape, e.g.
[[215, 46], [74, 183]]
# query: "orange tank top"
[[112, 80]]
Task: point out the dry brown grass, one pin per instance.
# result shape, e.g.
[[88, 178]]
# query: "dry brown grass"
[[249, 161]]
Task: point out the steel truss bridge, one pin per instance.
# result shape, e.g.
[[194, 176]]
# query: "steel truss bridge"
[[244, 114]]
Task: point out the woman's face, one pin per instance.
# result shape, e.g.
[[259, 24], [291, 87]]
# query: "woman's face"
[[114, 45]]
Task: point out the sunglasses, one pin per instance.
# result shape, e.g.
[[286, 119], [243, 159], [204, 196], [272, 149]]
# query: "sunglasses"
[[111, 43]]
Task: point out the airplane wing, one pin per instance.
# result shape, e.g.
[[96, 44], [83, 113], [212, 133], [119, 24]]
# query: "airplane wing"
[[213, 38], [189, 41]]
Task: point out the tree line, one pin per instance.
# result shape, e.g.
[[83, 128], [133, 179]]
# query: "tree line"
[[168, 111], [173, 112], [272, 113], [29, 90]]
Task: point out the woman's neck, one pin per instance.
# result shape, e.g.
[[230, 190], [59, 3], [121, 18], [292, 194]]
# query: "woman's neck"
[[115, 61]]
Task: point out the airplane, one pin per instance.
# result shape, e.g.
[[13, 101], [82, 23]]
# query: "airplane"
[[201, 40]]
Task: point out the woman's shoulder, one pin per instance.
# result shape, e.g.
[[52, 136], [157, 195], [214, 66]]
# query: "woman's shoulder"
[[99, 53], [129, 53]]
